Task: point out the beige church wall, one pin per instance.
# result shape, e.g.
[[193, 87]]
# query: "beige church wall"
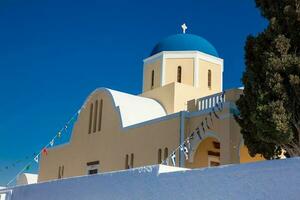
[[145, 141], [49, 164], [156, 66], [235, 139], [110, 145], [187, 70], [184, 93], [174, 96], [164, 95], [246, 158], [216, 77]]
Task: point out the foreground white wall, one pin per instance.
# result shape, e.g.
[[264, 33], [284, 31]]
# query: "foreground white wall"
[[279, 179]]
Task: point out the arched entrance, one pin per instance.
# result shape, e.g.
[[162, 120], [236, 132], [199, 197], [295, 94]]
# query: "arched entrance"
[[206, 154]]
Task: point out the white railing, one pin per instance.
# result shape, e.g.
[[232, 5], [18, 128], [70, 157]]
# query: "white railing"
[[210, 101]]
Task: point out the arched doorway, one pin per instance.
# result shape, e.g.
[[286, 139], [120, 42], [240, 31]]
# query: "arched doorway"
[[206, 154]]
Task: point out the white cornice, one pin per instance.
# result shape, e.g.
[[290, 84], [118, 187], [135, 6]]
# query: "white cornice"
[[185, 54], [153, 58]]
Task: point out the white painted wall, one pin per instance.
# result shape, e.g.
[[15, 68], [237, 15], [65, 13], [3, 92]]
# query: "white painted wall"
[[276, 180]]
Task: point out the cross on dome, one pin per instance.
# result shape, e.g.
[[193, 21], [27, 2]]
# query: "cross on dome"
[[184, 27]]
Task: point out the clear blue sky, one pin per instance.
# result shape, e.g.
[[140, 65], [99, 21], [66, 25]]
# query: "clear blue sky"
[[53, 53]]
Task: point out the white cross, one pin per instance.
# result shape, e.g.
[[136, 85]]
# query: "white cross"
[[184, 27]]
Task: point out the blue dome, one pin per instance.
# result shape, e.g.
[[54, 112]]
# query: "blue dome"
[[185, 42]]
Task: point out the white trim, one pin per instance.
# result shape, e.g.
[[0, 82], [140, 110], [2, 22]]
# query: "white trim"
[[163, 69], [143, 89], [196, 71], [222, 66], [185, 54], [153, 58]]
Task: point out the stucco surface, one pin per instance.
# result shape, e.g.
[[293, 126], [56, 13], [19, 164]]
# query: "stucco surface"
[[276, 180]]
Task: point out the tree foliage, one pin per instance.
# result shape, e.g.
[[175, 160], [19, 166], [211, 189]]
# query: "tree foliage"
[[270, 105]]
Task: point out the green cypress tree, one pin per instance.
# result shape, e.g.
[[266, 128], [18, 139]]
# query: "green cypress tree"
[[270, 105]]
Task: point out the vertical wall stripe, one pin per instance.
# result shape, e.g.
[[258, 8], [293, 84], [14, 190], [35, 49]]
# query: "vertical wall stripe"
[[166, 153], [95, 116], [159, 160], [91, 118], [100, 115], [131, 160], [126, 161]]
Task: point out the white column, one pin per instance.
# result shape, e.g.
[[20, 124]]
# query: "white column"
[[196, 70], [144, 77], [162, 78], [222, 69]]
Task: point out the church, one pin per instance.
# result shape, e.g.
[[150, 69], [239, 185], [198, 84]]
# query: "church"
[[182, 97]]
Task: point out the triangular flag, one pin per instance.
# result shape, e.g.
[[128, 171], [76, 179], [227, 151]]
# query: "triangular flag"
[[210, 116], [202, 124], [28, 167], [181, 148], [223, 96], [188, 143], [52, 142], [36, 159], [207, 123], [167, 161], [173, 157], [192, 135], [218, 106], [217, 116], [59, 134], [198, 133], [186, 152], [45, 151]]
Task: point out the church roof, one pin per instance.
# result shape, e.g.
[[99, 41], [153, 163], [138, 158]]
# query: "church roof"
[[185, 42], [134, 109]]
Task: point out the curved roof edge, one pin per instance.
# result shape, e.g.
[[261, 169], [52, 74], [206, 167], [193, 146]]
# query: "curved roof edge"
[[133, 109], [185, 42]]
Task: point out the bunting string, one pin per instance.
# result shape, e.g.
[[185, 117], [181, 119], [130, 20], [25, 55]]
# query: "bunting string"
[[44, 150], [185, 146]]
